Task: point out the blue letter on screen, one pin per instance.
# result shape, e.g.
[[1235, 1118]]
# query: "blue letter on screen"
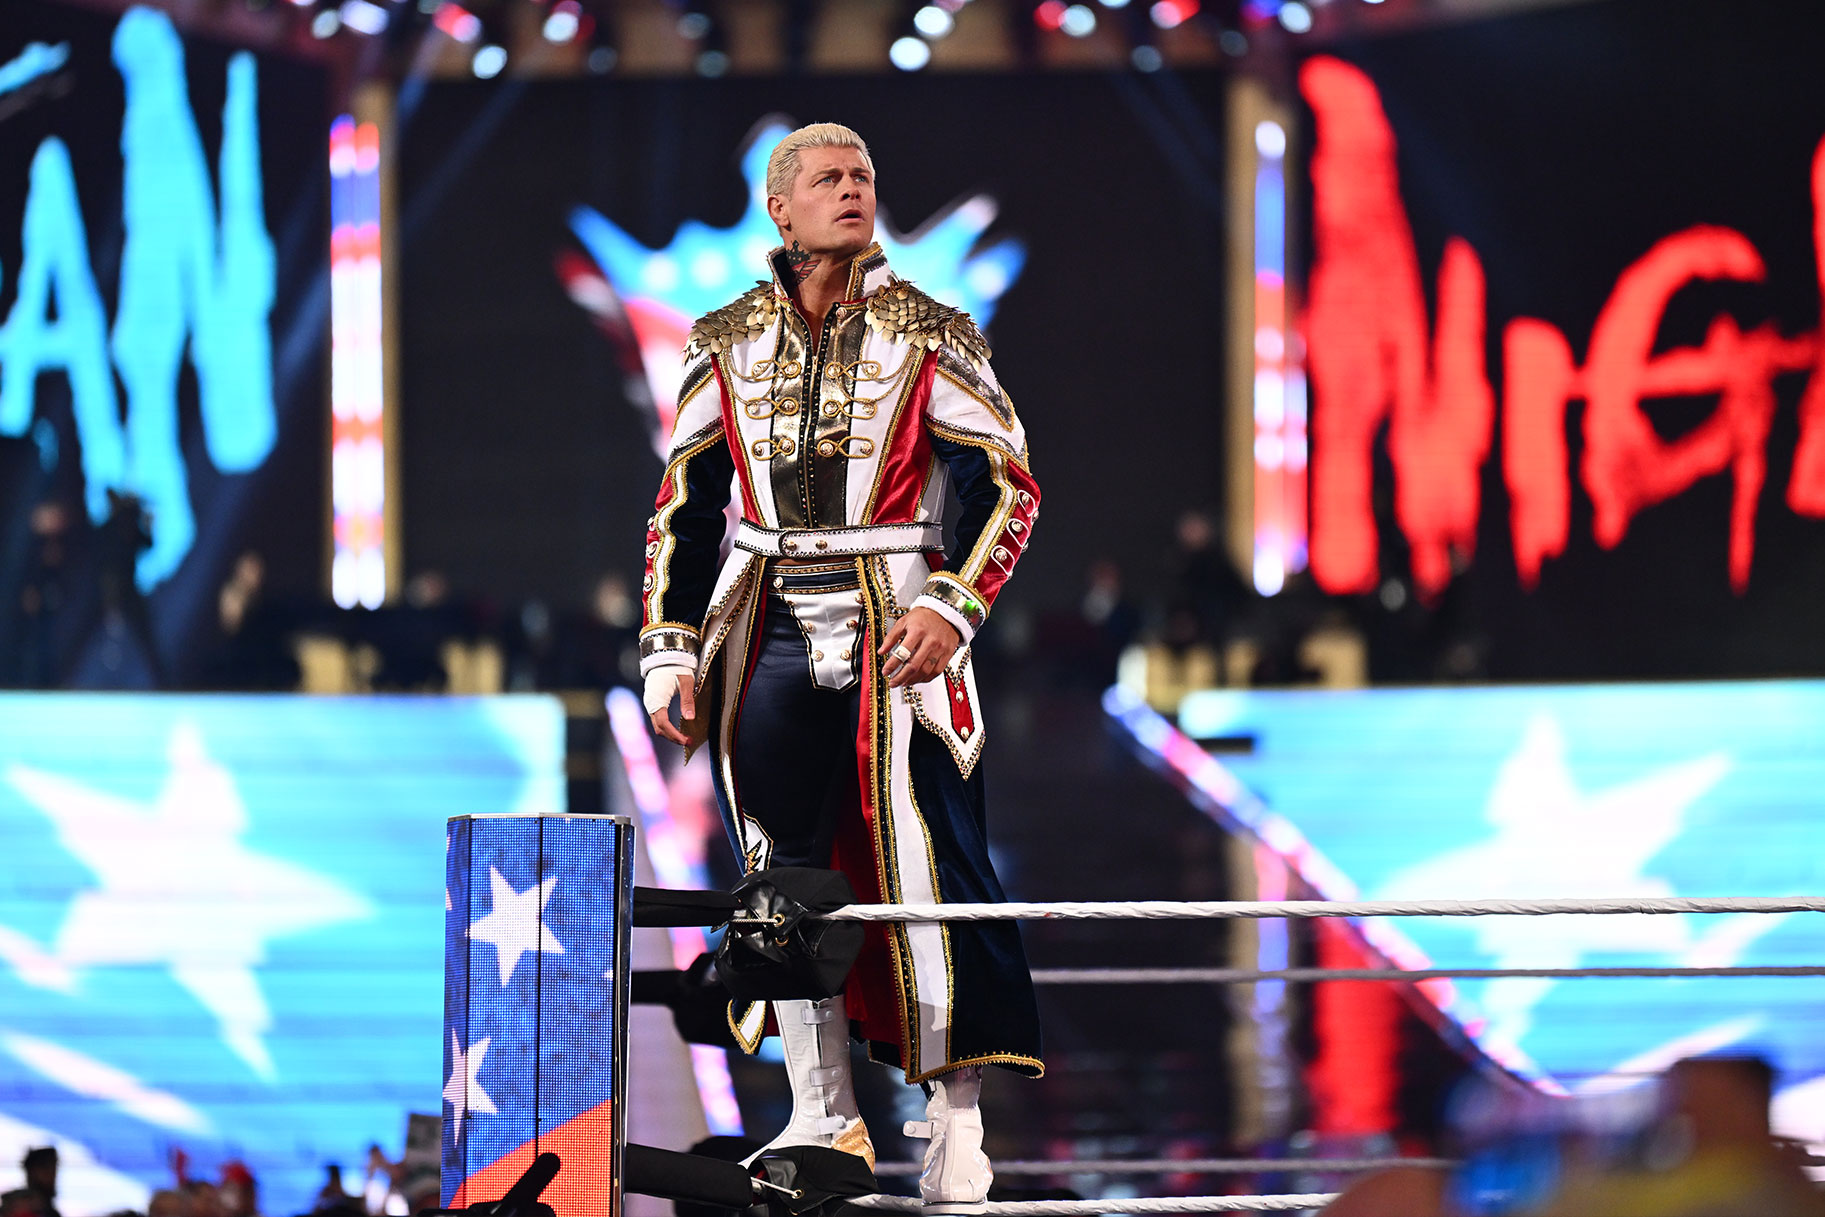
[[183, 276]]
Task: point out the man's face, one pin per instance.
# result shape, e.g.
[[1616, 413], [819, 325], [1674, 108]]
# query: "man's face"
[[831, 209]]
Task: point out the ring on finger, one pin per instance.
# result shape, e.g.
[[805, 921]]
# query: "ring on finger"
[[901, 653]]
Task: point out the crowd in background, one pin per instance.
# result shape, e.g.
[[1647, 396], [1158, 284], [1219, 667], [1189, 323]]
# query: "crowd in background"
[[1183, 597], [390, 1189]]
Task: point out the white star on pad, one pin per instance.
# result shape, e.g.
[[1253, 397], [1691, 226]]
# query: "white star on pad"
[[516, 923], [174, 886], [461, 1091]]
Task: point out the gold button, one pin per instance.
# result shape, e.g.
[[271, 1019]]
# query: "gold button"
[[646, 584], [1015, 525], [964, 732], [858, 597], [823, 545], [788, 407], [817, 655], [833, 369], [829, 409], [959, 694], [779, 581], [789, 545], [826, 449], [845, 656], [851, 623], [1001, 555]]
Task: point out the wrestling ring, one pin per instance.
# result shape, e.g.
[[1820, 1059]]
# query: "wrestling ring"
[[1266, 909]]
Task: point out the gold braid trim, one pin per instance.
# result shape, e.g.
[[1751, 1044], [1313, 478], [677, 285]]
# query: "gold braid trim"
[[904, 313], [746, 319]]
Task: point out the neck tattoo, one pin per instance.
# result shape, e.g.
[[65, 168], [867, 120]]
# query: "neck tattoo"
[[802, 263]]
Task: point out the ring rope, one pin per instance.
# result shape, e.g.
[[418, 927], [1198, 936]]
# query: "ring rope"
[[1114, 1204], [1219, 976], [1184, 910], [1185, 1166]]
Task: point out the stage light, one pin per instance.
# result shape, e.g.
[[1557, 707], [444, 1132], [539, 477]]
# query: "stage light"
[[693, 25], [602, 60], [1147, 59], [1078, 21], [1296, 17], [1049, 15], [489, 60], [363, 17], [325, 24], [1270, 140], [933, 21], [1170, 14], [563, 22], [1234, 43], [458, 22], [712, 63], [1115, 3], [909, 54]]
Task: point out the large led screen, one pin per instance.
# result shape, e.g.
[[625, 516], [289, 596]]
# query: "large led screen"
[[558, 238], [163, 244], [1559, 791], [221, 925], [1562, 308]]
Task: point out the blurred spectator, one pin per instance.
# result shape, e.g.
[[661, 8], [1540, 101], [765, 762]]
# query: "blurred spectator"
[[533, 650], [41, 1177], [168, 1202], [1108, 611], [125, 616], [240, 1191], [1208, 598], [1714, 1154], [253, 650], [602, 648], [205, 1199], [1398, 1191], [381, 1189], [21, 1202], [42, 598], [410, 637], [332, 1197]]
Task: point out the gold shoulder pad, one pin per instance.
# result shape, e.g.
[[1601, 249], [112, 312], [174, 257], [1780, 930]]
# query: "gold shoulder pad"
[[747, 318], [902, 311]]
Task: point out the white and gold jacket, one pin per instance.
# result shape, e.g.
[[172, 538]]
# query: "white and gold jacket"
[[840, 441]]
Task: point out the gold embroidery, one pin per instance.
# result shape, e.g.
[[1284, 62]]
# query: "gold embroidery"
[[743, 320], [906, 314]]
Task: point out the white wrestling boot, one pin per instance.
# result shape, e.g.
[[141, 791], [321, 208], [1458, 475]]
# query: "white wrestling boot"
[[815, 1037], [957, 1174]]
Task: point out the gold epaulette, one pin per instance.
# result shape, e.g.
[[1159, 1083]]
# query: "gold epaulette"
[[747, 318], [902, 311]]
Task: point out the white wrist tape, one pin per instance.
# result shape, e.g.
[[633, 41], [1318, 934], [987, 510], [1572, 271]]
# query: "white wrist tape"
[[662, 685]]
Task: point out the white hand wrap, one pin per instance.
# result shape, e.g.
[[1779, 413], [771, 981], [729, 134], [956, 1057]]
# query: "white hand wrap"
[[662, 685]]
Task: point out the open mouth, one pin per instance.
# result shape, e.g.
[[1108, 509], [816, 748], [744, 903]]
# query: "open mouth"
[[851, 214]]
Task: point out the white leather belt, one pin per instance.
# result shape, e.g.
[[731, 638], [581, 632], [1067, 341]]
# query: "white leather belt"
[[838, 542]]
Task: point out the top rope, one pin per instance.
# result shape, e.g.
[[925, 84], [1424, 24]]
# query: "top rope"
[[1190, 910]]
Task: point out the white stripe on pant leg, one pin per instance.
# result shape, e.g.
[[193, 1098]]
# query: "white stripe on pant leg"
[[931, 969]]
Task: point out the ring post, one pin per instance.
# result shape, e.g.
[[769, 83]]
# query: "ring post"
[[536, 954]]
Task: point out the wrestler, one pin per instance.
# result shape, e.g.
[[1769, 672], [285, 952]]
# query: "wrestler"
[[827, 660]]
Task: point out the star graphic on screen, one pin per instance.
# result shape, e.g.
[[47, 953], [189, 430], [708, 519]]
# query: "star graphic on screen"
[[1554, 840], [461, 1091], [176, 886], [516, 923]]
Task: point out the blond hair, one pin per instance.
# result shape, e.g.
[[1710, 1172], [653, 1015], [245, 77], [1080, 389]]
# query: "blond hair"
[[782, 166]]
